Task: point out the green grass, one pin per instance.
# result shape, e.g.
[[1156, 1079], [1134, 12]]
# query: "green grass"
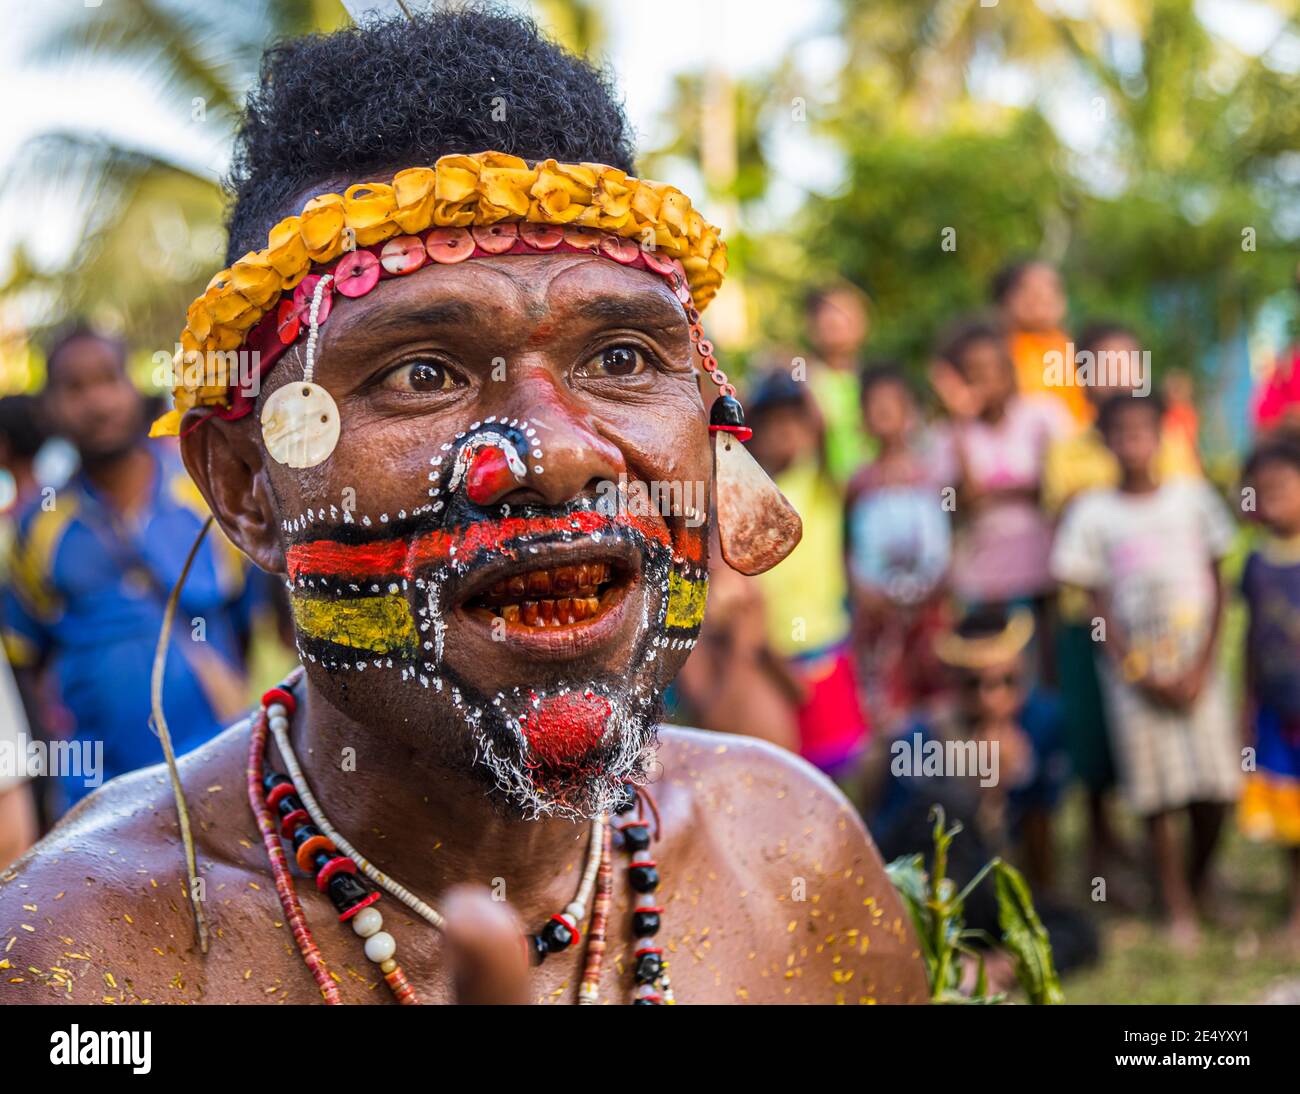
[[1232, 966]]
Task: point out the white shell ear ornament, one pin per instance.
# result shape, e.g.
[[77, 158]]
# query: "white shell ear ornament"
[[757, 526], [300, 421]]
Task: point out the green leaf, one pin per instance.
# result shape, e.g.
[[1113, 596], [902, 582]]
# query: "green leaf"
[[1025, 937]]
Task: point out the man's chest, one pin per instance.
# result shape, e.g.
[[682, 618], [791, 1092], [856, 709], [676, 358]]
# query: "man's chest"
[[717, 941]]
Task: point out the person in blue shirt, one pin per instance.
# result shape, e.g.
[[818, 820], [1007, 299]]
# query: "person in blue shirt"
[[90, 569], [994, 756]]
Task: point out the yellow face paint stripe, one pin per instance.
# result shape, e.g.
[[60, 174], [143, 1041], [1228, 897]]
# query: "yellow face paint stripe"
[[686, 599], [376, 624]]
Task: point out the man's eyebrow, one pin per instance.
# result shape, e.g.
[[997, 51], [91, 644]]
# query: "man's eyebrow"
[[426, 313], [643, 310]]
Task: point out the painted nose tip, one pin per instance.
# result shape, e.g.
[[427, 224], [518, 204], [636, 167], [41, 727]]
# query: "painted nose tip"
[[489, 475]]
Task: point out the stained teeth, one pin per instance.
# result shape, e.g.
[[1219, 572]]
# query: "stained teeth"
[[523, 598]]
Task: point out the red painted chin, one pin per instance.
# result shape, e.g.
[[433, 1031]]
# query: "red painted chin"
[[564, 730]]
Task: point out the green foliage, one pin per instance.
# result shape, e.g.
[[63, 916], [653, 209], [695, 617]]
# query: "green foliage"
[[935, 907]]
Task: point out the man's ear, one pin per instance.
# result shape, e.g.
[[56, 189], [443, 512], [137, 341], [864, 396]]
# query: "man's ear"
[[226, 463]]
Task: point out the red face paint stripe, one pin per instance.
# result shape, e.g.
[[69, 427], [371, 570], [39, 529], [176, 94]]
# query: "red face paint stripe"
[[402, 557]]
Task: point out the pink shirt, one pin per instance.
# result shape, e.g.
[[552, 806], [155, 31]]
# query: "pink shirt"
[[1002, 551]]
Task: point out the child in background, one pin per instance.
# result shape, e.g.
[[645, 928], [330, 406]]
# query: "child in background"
[[990, 700], [897, 546], [1149, 553], [1075, 464], [838, 321], [995, 445], [1270, 802], [805, 596], [1031, 304]]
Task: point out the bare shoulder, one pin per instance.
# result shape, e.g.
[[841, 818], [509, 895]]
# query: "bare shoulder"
[[809, 875], [99, 909]]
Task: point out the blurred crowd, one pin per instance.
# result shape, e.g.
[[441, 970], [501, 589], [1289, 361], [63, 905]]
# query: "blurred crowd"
[[1012, 582], [98, 522]]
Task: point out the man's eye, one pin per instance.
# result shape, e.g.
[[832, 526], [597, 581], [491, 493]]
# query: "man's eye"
[[615, 361], [420, 376]]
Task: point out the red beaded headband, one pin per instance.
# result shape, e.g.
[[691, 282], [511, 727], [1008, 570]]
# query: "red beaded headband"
[[358, 271]]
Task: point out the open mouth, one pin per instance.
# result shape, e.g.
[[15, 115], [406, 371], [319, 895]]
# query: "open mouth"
[[550, 597]]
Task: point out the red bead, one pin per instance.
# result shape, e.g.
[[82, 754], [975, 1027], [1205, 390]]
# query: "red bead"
[[278, 793], [345, 916], [287, 323], [292, 821], [340, 865], [356, 273], [742, 433], [282, 696]]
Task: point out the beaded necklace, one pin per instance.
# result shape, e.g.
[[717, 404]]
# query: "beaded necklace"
[[285, 807]]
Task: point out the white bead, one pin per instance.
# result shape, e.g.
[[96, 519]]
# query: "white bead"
[[576, 910], [276, 710], [367, 922], [643, 944], [279, 723], [380, 947], [645, 900]]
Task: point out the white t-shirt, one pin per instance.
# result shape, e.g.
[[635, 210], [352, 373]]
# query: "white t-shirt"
[[1151, 554]]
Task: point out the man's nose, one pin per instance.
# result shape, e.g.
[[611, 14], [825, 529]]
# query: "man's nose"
[[567, 455]]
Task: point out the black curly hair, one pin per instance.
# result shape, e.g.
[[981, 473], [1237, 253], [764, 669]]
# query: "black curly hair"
[[365, 102]]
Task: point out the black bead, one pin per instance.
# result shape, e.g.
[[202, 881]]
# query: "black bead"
[[645, 923], [556, 936], [290, 803], [303, 834], [726, 410], [272, 779], [644, 879], [322, 858], [648, 968], [346, 891], [636, 837], [536, 949], [629, 800]]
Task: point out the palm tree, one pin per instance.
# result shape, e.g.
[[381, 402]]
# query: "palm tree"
[[151, 229]]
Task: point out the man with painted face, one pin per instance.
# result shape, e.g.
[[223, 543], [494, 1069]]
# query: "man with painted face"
[[477, 385]]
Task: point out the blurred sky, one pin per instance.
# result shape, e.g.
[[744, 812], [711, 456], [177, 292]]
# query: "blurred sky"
[[649, 42]]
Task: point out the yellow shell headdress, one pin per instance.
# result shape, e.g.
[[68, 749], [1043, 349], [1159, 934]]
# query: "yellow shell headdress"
[[461, 207]]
